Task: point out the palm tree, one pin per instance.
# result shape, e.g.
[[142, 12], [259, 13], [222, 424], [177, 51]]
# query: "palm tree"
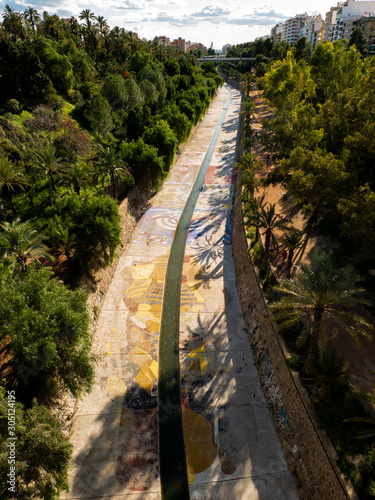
[[79, 176], [87, 16], [19, 242], [33, 17], [13, 23], [248, 109], [265, 218], [332, 373], [320, 290], [103, 27], [51, 165], [249, 164], [248, 183], [88, 28], [53, 26], [65, 242], [248, 84], [11, 177], [292, 239], [113, 165]]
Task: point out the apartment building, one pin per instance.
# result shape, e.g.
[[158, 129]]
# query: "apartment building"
[[277, 33], [329, 24], [338, 24], [293, 28], [314, 29], [347, 14], [179, 43], [368, 26]]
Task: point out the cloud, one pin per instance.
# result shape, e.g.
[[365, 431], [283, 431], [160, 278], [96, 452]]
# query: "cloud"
[[258, 18], [163, 17], [129, 5], [211, 11]]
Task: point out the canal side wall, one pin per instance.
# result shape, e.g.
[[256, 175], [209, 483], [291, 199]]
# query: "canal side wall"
[[307, 449]]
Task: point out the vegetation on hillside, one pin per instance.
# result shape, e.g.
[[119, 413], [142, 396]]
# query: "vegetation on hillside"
[[86, 113], [321, 135]]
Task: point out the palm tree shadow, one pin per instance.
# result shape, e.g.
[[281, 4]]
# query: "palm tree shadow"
[[121, 448], [209, 257]]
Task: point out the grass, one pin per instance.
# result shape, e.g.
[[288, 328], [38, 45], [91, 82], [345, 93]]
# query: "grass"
[[68, 108]]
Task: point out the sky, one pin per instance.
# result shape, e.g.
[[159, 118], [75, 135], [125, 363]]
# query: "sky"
[[218, 23]]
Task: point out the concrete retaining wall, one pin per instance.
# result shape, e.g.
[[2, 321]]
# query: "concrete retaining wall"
[[307, 449]]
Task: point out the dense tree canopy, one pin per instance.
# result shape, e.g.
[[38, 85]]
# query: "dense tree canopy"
[[47, 328], [42, 452]]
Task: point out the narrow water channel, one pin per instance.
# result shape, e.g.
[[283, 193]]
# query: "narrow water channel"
[[172, 459]]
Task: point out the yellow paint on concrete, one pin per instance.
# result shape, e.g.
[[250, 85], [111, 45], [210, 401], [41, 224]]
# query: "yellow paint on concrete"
[[148, 373], [116, 388], [204, 357], [143, 271], [201, 449], [191, 478]]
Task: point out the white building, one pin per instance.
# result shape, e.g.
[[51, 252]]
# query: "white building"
[[277, 33], [329, 24], [347, 13], [314, 29], [293, 28]]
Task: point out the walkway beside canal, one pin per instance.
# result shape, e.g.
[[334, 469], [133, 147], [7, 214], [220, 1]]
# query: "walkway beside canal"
[[232, 449]]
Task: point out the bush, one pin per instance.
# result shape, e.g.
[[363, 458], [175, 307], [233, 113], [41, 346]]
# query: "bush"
[[294, 363], [46, 327], [95, 223], [42, 451], [13, 106]]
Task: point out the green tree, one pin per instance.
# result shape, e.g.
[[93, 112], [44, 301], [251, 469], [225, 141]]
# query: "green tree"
[[145, 163], [11, 178], [112, 165], [314, 178], [33, 17], [57, 66], [98, 113], [292, 240], [114, 90], [42, 451], [267, 220], [319, 290], [79, 176], [287, 84], [334, 68], [164, 139], [178, 121], [359, 40], [20, 242], [95, 222], [51, 165], [13, 23], [149, 92], [134, 93], [22, 74], [303, 49], [46, 325]]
